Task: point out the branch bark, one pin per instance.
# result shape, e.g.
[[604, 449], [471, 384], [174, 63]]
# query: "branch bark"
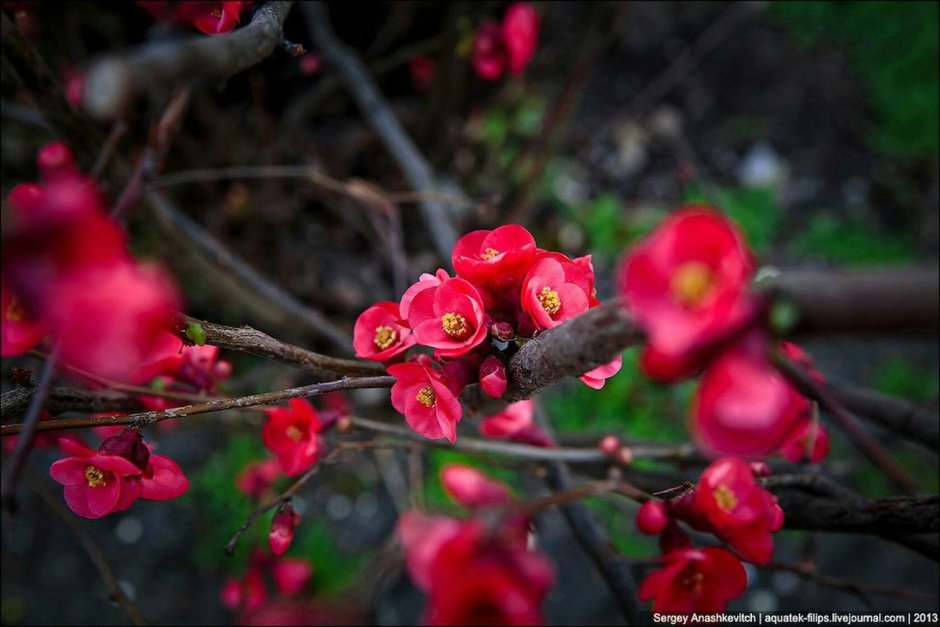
[[112, 82], [917, 424], [15, 402]]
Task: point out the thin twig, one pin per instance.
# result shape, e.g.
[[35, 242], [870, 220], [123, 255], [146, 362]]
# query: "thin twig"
[[871, 447], [97, 557], [373, 106], [909, 420], [150, 417], [809, 573]]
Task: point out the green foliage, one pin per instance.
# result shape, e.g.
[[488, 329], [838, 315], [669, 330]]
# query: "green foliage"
[[333, 570], [628, 405], [898, 378], [849, 244], [892, 47]]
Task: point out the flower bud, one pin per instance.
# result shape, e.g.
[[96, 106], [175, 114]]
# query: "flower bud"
[[652, 518], [55, 160], [128, 444], [493, 377], [502, 331], [760, 469], [609, 445], [282, 529]]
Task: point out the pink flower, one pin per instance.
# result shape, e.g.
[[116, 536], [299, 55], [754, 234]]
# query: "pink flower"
[[686, 285], [19, 330], [597, 377], [421, 395], [668, 368], [652, 517], [292, 435], [247, 594], [488, 55], [449, 317], [470, 488], [494, 258], [282, 529], [554, 290], [493, 377], [695, 580], [163, 480], [809, 440], [422, 537], [515, 423], [195, 367], [743, 406], [221, 18], [96, 485], [291, 575], [380, 333], [520, 31]]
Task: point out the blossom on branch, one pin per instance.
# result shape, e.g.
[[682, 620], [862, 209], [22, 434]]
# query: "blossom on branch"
[[292, 434]]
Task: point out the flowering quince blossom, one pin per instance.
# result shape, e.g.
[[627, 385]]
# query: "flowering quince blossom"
[[250, 592], [809, 441], [686, 286], [493, 377], [597, 377], [494, 258], [380, 333], [282, 529], [189, 367], [515, 423], [652, 517], [554, 290], [509, 45], [292, 434], [110, 479], [743, 405], [429, 406], [448, 317], [474, 574], [212, 18], [19, 331], [695, 580], [729, 503]]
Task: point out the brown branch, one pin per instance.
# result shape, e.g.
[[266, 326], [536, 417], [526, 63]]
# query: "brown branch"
[[248, 340], [177, 223], [909, 420], [809, 573], [896, 515], [373, 106], [150, 417], [91, 549], [112, 83], [15, 402]]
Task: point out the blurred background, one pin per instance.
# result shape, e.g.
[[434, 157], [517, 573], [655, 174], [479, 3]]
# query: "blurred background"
[[813, 124]]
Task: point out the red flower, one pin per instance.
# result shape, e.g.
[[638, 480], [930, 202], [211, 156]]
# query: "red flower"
[[425, 281], [695, 580], [20, 331], [428, 405], [163, 479], [494, 258], [422, 537], [197, 367], [381, 333], [686, 285], [488, 55], [729, 503], [520, 31], [652, 517], [668, 368], [282, 529], [808, 441], [493, 377], [597, 377], [448, 317], [247, 594], [96, 485], [470, 488], [291, 434], [291, 575], [554, 290], [515, 423], [221, 18], [256, 478], [743, 406]]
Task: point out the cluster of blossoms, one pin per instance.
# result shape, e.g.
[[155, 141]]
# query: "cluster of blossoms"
[[212, 18], [68, 273], [727, 502], [504, 46], [249, 594], [688, 287], [476, 571], [506, 290], [122, 470]]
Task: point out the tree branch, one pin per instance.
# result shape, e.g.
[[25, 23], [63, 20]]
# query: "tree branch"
[[248, 340], [917, 424], [15, 402], [112, 82], [373, 106]]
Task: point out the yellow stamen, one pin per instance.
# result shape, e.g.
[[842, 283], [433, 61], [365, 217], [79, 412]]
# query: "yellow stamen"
[[692, 283], [455, 326], [693, 583], [488, 254], [550, 300], [426, 396], [15, 311], [95, 477], [384, 337], [725, 498], [294, 433]]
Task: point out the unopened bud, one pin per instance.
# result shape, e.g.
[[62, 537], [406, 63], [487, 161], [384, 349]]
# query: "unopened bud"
[[502, 331], [609, 445], [652, 518], [344, 424], [282, 529], [760, 469], [128, 444]]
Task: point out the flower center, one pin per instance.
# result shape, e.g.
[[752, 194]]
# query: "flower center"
[[216, 12], [426, 396], [15, 311], [693, 583], [384, 337], [294, 433], [691, 283], [488, 254], [455, 326], [725, 498], [95, 477], [550, 300]]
